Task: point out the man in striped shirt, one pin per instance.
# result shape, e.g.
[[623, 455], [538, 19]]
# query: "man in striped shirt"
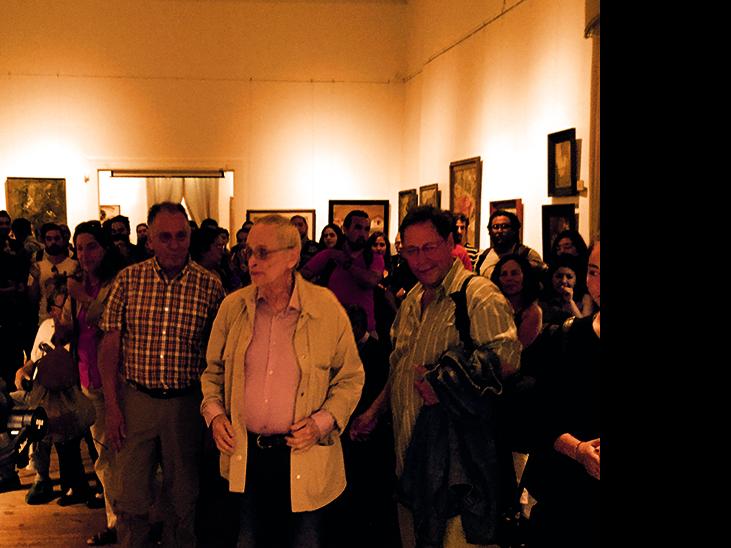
[[424, 328], [156, 323]]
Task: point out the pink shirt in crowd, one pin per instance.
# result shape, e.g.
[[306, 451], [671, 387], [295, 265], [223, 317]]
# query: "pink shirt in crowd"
[[272, 374]]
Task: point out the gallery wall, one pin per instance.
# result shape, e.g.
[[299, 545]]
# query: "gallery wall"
[[493, 80], [301, 101]]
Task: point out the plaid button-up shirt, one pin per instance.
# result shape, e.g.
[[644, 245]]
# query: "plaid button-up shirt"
[[165, 323]]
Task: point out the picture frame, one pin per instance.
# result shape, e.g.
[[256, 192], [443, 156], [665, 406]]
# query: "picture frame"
[[407, 200], [430, 195], [465, 189], [108, 212], [555, 219], [378, 212], [309, 215], [514, 205], [39, 200], [562, 163]]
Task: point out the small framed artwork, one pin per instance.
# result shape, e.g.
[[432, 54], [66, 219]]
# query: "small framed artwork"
[[514, 206], [556, 219], [108, 212], [465, 188], [309, 215], [38, 200], [377, 211], [562, 163], [407, 200], [430, 195]]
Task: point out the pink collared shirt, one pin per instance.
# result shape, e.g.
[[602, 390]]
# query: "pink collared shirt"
[[272, 374]]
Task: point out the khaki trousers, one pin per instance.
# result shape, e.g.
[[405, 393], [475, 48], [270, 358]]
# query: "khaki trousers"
[[168, 432]]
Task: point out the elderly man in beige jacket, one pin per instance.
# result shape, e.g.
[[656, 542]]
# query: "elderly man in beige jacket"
[[283, 377]]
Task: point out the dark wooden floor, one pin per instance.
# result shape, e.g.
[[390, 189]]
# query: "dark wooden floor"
[[47, 524]]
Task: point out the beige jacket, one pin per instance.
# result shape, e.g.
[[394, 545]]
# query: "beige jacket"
[[332, 378]]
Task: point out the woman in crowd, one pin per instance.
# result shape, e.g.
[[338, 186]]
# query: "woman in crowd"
[[565, 293], [100, 261], [207, 249], [563, 470], [331, 236], [384, 303], [517, 281], [569, 242]]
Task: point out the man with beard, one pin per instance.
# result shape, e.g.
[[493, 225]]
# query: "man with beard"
[[142, 247], [54, 265], [504, 230], [357, 270]]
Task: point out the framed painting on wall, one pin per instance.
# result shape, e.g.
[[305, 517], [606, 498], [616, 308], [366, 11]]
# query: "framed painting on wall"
[[108, 211], [557, 218], [377, 211], [514, 206], [407, 200], [430, 195], [562, 163], [465, 188], [38, 200], [309, 215]]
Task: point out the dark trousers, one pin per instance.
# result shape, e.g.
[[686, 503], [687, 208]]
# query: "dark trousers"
[[70, 466], [267, 520]]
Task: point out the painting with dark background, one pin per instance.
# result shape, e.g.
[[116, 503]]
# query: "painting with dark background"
[[38, 200]]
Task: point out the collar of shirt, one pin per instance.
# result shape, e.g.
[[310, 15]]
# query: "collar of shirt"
[[294, 301], [180, 275], [451, 282]]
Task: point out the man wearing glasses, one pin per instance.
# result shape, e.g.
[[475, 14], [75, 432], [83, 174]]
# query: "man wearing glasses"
[[423, 330], [504, 229], [156, 326], [283, 377]]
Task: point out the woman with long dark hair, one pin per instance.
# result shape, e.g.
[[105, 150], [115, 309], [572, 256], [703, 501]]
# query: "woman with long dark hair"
[[100, 262]]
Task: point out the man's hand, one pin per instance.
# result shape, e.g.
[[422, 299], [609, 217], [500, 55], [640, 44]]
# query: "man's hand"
[[423, 387], [23, 373], [587, 454], [303, 434], [363, 425], [223, 434], [116, 427]]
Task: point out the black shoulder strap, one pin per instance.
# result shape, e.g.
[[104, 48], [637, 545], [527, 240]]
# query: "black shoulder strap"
[[481, 259], [462, 317]]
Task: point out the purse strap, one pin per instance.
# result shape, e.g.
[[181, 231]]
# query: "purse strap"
[[462, 317]]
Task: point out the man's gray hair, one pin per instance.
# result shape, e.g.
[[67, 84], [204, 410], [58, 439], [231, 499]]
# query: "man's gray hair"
[[287, 233]]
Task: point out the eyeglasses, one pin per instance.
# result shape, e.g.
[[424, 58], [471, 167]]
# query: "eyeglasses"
[[504, 226], [428, 249], [262, 253]]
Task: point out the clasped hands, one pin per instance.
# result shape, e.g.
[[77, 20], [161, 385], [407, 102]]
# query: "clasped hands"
[[303, 434]]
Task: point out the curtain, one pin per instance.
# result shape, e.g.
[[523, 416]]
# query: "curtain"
[[164, 189], [592, 31], [201, 197], [200, 193]]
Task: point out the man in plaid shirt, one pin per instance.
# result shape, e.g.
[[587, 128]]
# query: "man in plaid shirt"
[[156, 323]]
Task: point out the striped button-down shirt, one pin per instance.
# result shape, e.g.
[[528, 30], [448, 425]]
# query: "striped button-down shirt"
[[420, 339], [164, 322]]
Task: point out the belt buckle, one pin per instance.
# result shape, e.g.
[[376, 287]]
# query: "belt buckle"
[[259, 444]]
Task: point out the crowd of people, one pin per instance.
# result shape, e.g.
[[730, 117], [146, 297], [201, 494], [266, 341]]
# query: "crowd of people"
[[291, 392]]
